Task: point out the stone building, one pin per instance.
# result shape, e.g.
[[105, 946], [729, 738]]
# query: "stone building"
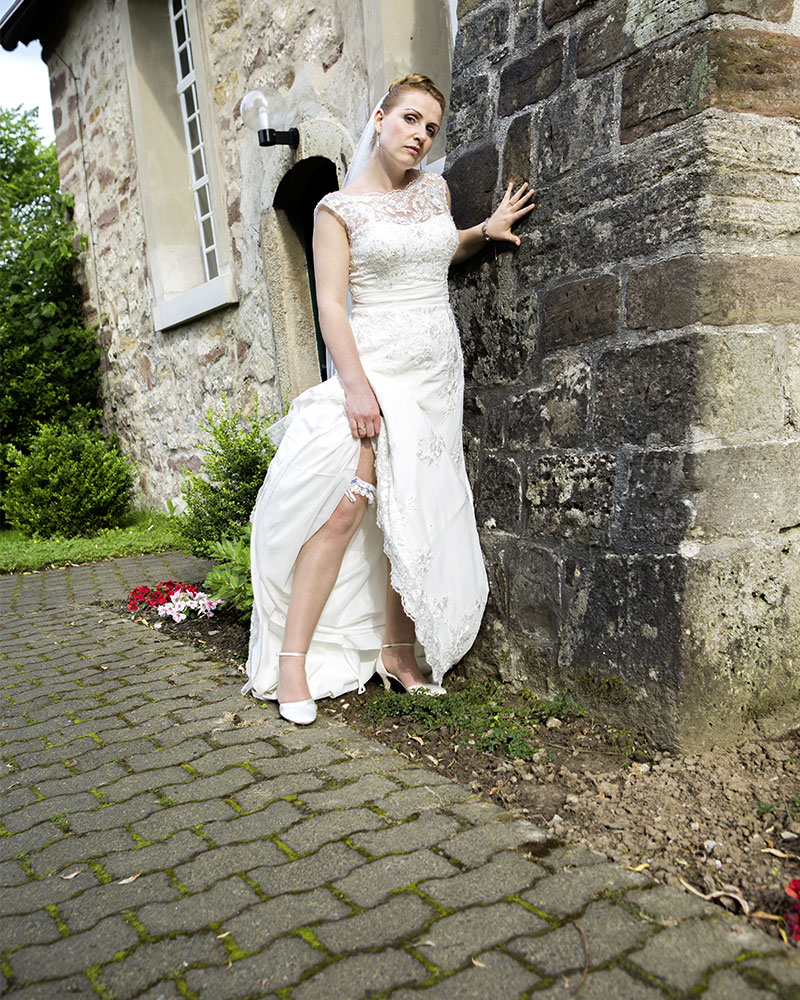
[[634, 407], [197, 272], [633, 410]]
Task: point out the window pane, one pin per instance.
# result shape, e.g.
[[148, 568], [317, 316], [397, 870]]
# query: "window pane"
[[194, 133], [208, 233], [202, 200], [189, 102], [211, 264], [183, 56], [180, 31], [176, 6], [198, 165]]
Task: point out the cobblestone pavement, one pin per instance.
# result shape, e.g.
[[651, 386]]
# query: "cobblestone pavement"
[[164, 837]]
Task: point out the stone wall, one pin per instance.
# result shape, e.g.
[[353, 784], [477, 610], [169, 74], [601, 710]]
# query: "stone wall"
[[633, 411]]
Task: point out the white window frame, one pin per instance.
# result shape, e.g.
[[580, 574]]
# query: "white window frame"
[[193, 133]]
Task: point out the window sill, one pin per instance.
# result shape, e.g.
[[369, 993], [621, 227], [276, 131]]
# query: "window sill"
[[205, 298]]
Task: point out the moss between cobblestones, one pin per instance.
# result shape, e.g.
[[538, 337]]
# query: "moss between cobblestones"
[[4, 831], [99, 872], [263, 896], [759, 979], [442, 911], [173, 880], [553, 921], [138, 840], [93, 975], [624, 962], [232, 949], [36, 792], [27, 867], [284, 848], [235, 806], [52, 909], [133, 921]]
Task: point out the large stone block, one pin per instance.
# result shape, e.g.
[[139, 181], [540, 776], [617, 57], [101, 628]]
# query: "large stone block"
[[531, 78], [578, 127], [739, 70], [498, 505], [498, 326], [555, 413], [554, 11], [716, 290], [656, 507], [621, 651], [742, 643], [582, 310], [472, 111], [646, 396], [571, 495], [721, 388], [616, 208], [753, 174], [744, 492], [486, 37], [534, 586], [627, 27], [472, 177], [517, 152]]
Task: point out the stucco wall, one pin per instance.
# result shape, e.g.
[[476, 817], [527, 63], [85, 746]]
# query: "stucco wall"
[[633, 407]]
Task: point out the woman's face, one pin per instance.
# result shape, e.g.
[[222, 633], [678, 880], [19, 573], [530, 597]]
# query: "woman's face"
[[408, 130]]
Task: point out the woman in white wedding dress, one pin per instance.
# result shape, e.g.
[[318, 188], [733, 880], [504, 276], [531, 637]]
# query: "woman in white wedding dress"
[[364, 548]]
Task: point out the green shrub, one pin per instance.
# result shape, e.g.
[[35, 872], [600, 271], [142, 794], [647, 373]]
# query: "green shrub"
[[73, 482], [220, 498], [230, 578]]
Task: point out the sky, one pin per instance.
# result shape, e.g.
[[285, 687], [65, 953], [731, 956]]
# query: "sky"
[[23, 80]]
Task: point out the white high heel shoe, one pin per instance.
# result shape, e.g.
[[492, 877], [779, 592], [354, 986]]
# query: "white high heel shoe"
[[301, 713], [387, 678]]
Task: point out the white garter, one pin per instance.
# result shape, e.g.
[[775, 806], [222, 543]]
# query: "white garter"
[[358, 487]]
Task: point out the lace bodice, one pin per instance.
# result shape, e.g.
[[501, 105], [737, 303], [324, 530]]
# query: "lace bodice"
[[399, 240]]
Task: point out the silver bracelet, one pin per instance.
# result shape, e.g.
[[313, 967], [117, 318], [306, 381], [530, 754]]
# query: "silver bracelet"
[[484, 230]]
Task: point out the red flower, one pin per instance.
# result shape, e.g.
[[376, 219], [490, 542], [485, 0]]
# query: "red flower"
[[792, 918], [160, 595]]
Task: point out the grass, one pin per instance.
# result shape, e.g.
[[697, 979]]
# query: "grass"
[[141, 532], [480, 714]]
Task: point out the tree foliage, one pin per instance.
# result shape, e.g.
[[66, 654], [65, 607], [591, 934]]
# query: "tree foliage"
[[48, 359]]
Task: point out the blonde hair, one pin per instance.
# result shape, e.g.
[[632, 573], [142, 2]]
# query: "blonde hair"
[[411, 81]]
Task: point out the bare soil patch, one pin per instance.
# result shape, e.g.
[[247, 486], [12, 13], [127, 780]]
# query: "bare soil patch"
[[724, 823]]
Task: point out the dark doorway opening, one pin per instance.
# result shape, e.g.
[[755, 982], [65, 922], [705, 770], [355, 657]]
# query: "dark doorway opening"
[[297, 196]]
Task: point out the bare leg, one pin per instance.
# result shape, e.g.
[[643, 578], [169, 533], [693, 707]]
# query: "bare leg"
[[400, 661], [315, 572]]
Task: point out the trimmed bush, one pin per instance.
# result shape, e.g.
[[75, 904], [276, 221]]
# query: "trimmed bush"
[[72, 482], [220, 498]]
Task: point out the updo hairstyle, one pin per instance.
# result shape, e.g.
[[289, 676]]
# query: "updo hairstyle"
[[411, 81]]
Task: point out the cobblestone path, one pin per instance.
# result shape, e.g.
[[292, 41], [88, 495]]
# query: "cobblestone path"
[[164, 837]]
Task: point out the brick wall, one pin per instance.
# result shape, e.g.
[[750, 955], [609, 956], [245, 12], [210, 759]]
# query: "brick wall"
[[633, 411]]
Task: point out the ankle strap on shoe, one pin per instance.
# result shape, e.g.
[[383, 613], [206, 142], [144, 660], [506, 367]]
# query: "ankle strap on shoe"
[[391, 645], [284, 653]]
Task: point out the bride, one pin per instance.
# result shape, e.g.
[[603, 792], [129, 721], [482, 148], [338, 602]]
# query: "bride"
[[364, 548]]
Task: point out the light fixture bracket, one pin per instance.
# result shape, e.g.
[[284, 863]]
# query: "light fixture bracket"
[[272, 137]]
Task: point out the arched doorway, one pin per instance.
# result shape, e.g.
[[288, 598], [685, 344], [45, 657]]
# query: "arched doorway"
[[295, 199]]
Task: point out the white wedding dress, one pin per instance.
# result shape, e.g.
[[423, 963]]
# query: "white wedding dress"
[[401, 245]]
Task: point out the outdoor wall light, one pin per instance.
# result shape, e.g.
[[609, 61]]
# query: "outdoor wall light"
[[254, 110]]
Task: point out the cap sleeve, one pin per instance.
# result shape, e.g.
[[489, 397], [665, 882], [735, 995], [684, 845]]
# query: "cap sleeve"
[[334, 203]]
